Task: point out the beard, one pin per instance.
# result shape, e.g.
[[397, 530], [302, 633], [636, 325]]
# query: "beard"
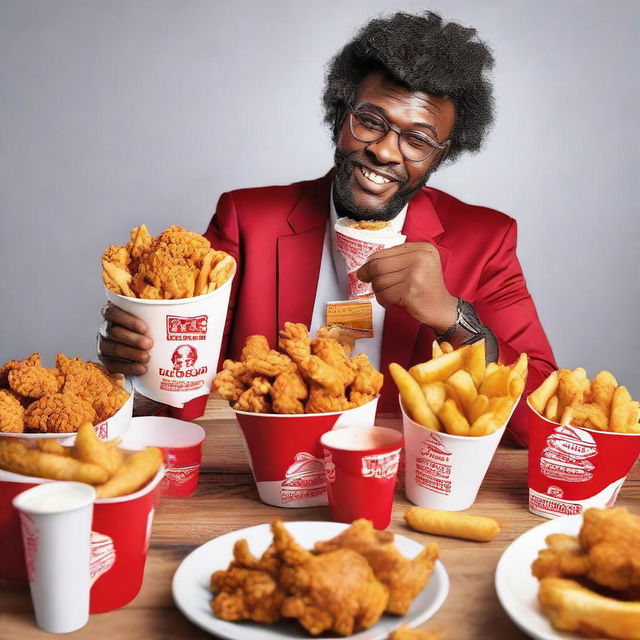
[[345, 203]]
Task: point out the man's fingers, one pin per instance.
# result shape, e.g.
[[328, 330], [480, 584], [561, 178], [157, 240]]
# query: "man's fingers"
[[375, 268], [402, 249], [384, 282], [115, 315], [122, 366], [116, 333], [119, 351]]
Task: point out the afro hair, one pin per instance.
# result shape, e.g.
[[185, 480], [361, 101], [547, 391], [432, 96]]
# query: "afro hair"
[[422, 53]]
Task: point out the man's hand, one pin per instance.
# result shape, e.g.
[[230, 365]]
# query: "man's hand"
[[410, 275], [123, 342]]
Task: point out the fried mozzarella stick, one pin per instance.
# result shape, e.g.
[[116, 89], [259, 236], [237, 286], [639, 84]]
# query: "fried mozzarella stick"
[[16, 457], [133, 474], [452, 524]]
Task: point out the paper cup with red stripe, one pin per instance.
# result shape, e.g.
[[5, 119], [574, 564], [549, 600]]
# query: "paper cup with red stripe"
[[357, 245], [187, 336], [285, 455], [361, 468], [443, 471], [120, 536], [181, 444], [55, 519], [573, 468]]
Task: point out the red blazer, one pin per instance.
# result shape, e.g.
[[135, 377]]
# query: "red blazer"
[[276, 234]]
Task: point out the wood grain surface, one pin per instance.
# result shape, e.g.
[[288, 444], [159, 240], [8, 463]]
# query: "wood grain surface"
[[227, 499]]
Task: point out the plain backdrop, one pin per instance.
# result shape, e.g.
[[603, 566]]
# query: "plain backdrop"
[[118, 112]]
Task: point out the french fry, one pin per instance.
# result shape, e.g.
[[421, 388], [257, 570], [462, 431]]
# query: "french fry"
[[540, 397], [501, 408], [620, 405], [202, 282], [492, 367], [480, 405], [483, 425], [452, 524], [413, 399], [570, 389], [463, 389], [476, 361], [453, 420], [220, 272], [119, 277], [133, 474], [496, 383], [551, 410], [441, 368], [446, 347], [435, 394], [591, 416], [436, 350]]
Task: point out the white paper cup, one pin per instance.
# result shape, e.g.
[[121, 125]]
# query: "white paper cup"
[[55, 518], [443, 471], [357, 246], [187, 336]]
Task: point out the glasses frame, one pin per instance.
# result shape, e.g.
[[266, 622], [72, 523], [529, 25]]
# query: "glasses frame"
[[437, 146]]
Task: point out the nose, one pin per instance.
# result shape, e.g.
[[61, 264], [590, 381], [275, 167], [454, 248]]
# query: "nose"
[[386, 150]]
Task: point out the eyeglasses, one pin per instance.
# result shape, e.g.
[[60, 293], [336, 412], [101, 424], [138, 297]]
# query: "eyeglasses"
[[415, 146]]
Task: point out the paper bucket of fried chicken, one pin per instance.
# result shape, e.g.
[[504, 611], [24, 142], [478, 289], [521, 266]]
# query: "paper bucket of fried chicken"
[[41, 402], [180, 287], [584, 439], [357, 242], [285, 400], [126, 483], [455, 409]]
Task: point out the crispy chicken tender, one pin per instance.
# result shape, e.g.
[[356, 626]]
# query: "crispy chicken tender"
[[288, 393], [403, 578], [562, 557], [4, 372], [571, 607], [405, 632], [29, 378], [186, 244], [294, 340], [345, 337], [260, 359], [256, 398], [107, 404], [132, 474], [318, 372], [320, 402], [59, 413], [89, 448], [166, 275], [11, 413], [331, 352], [335, 591], [366, 383], [139, 244]]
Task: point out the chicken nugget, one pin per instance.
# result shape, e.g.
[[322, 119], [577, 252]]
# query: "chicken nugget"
[[133, 474], [11, 413], [58, 413]]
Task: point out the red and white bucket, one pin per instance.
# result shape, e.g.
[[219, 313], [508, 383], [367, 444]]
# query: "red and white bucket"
[[120, 536], [573, 468]]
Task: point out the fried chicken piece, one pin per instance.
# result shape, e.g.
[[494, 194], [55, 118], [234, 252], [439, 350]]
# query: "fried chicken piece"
[[108, 404], [11, 413], [404, 578], [260, 359], [288, 393], [335, 591], [256, 398], [140, 243], [189, 246], [294, 340], [164, 272], [317, 371], [59, 413], [571, 607], [230, 382], [367, 380], [405, 632], [4, 372], [611, 540], [320, 402], [562, 557], [370, 225], [248, 589], [331, 352], [345, 337], [29, 378]]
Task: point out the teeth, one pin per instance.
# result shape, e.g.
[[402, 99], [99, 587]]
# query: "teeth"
[[374, 177]]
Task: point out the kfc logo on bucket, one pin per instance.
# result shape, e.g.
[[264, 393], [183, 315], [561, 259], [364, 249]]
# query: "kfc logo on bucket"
[[383, 465], [566, 455], [305, 478], [103, 555], [183, 360], [184, 328]]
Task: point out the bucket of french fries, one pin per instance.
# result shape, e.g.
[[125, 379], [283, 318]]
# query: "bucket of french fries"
[[286, 398], [52, 402], [180, 287], [455, 409], [584, 439], [126, 483]]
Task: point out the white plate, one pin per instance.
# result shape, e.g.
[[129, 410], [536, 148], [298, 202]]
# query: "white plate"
[[193, 597], [517, 589]]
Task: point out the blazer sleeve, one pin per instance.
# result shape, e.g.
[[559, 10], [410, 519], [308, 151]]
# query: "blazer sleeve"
[[504, 305], [223, 233]]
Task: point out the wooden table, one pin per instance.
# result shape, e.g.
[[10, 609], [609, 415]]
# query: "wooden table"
[[227, 500]]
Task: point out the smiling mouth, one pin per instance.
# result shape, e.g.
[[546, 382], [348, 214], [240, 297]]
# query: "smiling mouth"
[[374, 177]]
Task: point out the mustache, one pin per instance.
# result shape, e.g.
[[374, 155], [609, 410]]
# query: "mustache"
[[345, 162]]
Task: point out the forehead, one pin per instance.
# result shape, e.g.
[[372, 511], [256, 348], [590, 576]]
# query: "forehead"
[[403, 106]]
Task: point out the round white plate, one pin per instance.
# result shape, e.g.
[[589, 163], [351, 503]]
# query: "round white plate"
[[517, 589], [193, 597]]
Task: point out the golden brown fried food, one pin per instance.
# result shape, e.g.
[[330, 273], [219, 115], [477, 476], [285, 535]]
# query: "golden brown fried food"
[[331, 352], [323, 375], [370, 225], [107, 404], [288, 393], [344, 336], [89, 448], [367, 381], [132, 474], [4, 372], [294, 340], [572, 607], [256, 398], [260, 359], [139, 244], [17, 458], [11, 413], [29, 378], [404, 578], [58, 413], [321, 402], [562, 557], [405, 632], [335, 591]]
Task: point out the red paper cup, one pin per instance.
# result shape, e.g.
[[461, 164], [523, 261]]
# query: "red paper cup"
[[181, 444], [573, 468], [120, 536], [361, 468], [285, 454]]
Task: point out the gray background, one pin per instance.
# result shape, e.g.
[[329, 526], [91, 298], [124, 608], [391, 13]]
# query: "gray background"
[[115, 113]]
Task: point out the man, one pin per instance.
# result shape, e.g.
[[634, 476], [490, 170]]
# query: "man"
[[408, 93]]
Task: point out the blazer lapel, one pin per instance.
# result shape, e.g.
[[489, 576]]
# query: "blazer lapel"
[[300, 253]]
